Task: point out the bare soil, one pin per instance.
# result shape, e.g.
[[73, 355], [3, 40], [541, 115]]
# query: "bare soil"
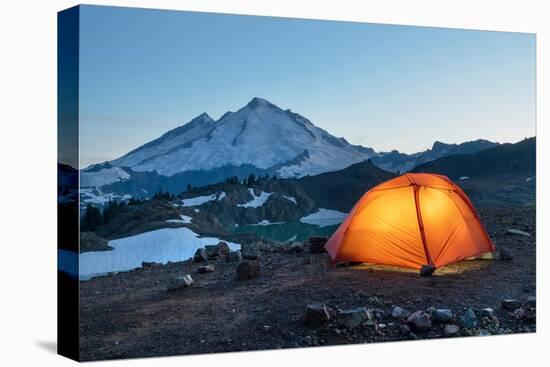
[[132, 314]]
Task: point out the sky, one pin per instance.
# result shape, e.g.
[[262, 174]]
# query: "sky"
[[144, 72]]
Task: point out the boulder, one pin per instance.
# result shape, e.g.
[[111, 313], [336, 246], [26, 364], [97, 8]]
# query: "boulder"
[[250, 251], [400, 313], [510, 304], [442, 315], [317, 244], [223, 248], [427, 270], [200, 255], [420, 321], [147, 264], [354, 317], [248, 269], [211, 251], [205, 269], [316, 314], [234, 256], [469, 319], [451, 330], [185, 281]]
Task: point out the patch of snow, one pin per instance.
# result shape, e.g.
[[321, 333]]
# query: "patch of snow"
[[257, 201], [103, 177], [161, 246], [530, 178], [291, 198], [184, 220], [520, 232], [196, 210], [265, 222], [94, 195], [462, 178], [293, 238], [324, 217], [199, 200]]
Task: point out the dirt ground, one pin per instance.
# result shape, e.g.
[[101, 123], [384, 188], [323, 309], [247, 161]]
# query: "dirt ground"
[[133, 315]]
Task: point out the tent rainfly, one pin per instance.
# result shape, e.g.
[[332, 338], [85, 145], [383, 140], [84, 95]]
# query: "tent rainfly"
[[411, 221]]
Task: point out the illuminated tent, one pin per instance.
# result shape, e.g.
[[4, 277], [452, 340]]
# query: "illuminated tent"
[[409, 221]]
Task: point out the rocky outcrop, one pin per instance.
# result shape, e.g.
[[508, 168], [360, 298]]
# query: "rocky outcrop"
[[89, 241]]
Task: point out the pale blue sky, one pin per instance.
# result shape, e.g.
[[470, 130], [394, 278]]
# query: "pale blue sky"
[[143, 72]]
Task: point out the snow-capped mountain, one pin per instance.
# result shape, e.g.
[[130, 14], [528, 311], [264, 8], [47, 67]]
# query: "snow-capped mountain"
[[260, 139], [260, 134]]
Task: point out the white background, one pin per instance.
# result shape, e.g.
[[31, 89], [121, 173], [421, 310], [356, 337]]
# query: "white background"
[[28, 181]]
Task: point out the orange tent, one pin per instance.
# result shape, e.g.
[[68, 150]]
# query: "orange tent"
[[412, 220]]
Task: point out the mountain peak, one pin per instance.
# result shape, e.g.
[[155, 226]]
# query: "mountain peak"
[[203, 117], [438, 145], [257, 102]]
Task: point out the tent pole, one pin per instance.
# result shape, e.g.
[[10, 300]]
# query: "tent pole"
[[416, 190]]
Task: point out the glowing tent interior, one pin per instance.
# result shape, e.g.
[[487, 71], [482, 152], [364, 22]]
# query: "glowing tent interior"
[[409, 221]]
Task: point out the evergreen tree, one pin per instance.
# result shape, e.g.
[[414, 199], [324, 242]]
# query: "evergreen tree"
[[251, 180], [92, 218]]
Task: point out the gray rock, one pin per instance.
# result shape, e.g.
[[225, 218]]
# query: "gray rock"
[[234, 256], [451, 330], [248, 269], [146, 264], [427, 270], [205, 269], [400, 313], [185, 281], [420, 321], [316, 314], [510, 304], [468, 320], [518, 232], [223, 248], [211, 251], [442, 315], [200, 255], [354, 317], [487, 312], [250, 251], [317, 244]]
